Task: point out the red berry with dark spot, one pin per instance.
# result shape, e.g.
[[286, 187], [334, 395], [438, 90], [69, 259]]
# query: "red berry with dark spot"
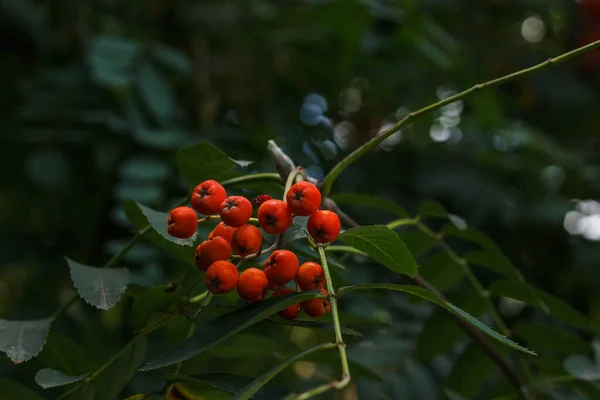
[[246, 240], [261, 198], [212, 250], [222, 230], [324, 226], [316, 307], [303, 198], [252, 285], [274, 216], [182, 222], [281, 267], [310, 276], [236, 210], [291, 312], [208, 196], [221, 277]]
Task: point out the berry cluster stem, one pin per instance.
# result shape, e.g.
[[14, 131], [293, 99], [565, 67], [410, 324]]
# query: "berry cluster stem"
[[345, 379]]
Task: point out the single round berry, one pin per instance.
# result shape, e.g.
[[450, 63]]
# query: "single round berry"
[[290, 312], [281, 267], [212, 250], [221, 277], [222, 230], [208, 196], [274, 216], [324, 226], [182, 222], [303, 198], [316, 307], [246, 240], [252, 285], [310, 276], [590, 10], [236, 210]]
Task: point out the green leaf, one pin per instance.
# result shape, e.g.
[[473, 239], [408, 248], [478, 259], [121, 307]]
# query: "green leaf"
[[383, 245], [441, 271], [172, 58], [470, 371], [100, 287], [315, 325], [551, 339], [582, 367], [119, 374], [11, 390], [141, 216], [63, 353], [295, 232], [427, 295], [22, 340], [253, 387], [48, 378], [155, 93], [529, 294], [153, 300], [210, 333], [431, 208], [418, 242], [452, 395], [367, 200], [232, 384], [110, 58], [203, 161]]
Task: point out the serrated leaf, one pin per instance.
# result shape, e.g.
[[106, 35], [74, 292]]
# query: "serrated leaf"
[[48, 378], [100, 287], [295, 232], [11, 390], [383, 245], [582, 367], [155, 93], [203, 161], [529, 295], [210, 333], [361, 199], [231, 383], [142, 216], [253, 387], [431, 208], [316, 325], [22, 340], [153, 300], [427, 295], [550, 338]]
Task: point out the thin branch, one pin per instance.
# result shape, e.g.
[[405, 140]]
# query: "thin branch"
[[362, 150]]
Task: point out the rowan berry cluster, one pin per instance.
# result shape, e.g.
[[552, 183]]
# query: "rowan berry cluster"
[[236, 237]]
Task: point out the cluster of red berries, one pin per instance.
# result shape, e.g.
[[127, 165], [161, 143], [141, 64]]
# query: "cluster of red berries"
[[235, 235]]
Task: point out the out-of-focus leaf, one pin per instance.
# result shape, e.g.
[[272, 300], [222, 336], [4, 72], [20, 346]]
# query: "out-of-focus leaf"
[[172, 58], [155, 93], [99, 287], [48, 378], [244, 345], [11, 390], [124, 368], [427, 295], [62, 353], [232, 384], [557, 308], [110, 58], [22, 340], [441, 271], [470, 371], [418, 242], [582, 367], [316, 325], [209, 334], [544, 337], [154, 300], [141, 216], [367, 200], [203, 161], [452, 395], [431, 208], [383, 245]]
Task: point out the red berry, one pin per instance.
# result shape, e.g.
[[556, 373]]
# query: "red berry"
[[221, 277], [290, 312], [225, 231], [252, 285], [212, 250], [590, 10], [246, 240], [208, 196], [324, 226], [590, 61], [310, 276], [274, 216], [261, 198], [236, 210], [281, 267], [316, 307], [182, 222], [303, 198]]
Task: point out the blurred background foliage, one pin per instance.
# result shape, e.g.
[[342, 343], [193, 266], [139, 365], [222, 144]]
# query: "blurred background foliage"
[[98, 94]]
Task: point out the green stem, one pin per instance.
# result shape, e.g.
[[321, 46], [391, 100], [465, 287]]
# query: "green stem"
[[267, 176], [291, 179], [362, 150], [345, 380], [403, 222], [346, 249]]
